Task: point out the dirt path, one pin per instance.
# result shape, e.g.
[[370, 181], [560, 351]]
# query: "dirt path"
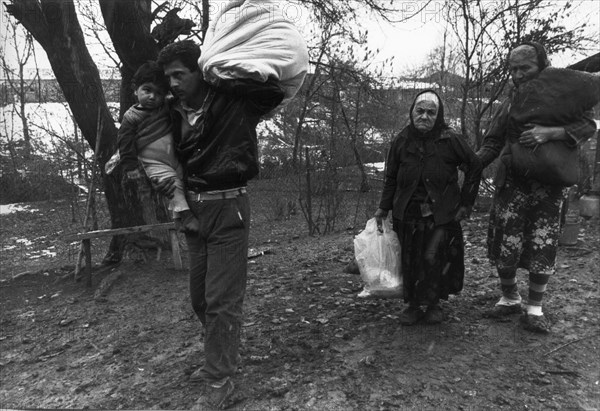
[[308, 342]]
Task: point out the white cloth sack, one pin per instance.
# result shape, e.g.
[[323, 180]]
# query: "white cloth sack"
[[378, 258], [252, 39]]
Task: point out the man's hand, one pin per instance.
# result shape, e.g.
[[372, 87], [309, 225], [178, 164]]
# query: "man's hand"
[[462, 213], [537, 134], [189, 224], [380, 215], [166, 186]]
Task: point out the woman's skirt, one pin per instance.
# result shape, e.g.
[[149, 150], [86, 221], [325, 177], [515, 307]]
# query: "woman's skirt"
[[432, 257], [525, 226]]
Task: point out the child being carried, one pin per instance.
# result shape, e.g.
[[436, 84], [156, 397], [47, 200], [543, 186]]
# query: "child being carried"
[[146, 135]]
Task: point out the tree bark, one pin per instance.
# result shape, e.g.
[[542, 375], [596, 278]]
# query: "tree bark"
[[128, 25], [23, 111], [54, 24]]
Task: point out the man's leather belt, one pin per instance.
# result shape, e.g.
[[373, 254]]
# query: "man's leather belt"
[[215, 195]]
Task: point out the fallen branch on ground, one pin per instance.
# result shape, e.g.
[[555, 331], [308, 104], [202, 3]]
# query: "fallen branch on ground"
[[560, 347]]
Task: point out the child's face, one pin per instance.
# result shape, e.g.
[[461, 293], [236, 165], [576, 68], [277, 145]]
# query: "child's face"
[[149, 95]]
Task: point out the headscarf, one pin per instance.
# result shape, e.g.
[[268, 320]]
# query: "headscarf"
[[428, 96], [540, 53], [440, 123]]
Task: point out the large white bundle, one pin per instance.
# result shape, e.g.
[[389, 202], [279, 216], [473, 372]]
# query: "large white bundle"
[[251, 39]]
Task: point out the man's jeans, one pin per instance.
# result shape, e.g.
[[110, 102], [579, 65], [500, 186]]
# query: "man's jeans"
[[218, 267]]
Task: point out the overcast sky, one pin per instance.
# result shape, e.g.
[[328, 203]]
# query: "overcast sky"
[[409, 41]]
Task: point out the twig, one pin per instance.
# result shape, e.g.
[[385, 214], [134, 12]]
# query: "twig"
[[560, 347], [90, 200], [563, 372], [579, 250]]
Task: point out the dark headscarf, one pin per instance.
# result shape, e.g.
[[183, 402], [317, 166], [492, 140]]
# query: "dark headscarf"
[[540, 52], [440, 123]]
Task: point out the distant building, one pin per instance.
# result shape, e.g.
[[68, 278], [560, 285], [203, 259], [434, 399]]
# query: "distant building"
[[42, 87]]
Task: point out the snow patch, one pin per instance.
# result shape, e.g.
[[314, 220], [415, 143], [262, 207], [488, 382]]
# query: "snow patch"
[[11, 208], [24, 241], [377, 166], [41, 253]]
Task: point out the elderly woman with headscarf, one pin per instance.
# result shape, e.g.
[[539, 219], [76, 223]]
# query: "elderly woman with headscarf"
[[421, 188], [525, 217]]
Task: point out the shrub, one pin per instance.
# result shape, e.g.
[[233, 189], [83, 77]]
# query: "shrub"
[[37, 179]]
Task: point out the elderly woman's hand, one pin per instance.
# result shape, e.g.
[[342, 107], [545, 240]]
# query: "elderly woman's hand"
[[380, 215], [537, 134]]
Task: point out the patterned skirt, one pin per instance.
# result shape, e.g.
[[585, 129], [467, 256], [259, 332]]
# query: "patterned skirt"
[[525, 226], [432, 257]]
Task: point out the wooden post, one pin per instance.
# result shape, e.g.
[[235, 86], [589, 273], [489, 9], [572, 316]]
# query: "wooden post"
[[85, 245], [88, 262], [311, 227], [175, 249], [86, 238]]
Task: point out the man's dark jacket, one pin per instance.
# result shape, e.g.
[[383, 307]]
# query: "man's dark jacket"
[[220, 151]]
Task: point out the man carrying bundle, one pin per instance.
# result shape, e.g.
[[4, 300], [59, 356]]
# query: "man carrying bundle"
[[215, 114]]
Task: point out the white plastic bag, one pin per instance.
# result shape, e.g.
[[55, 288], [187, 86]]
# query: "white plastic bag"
[[378, 258], [252, 39]]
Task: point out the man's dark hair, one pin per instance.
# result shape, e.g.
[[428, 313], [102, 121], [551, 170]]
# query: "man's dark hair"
[[150, 72], [185, 51]]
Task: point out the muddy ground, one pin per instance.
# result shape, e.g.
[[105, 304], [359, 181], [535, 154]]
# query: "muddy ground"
[[308, 343]]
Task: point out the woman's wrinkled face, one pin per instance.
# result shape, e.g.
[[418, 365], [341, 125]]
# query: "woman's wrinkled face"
[[424, 115], [523, 65]]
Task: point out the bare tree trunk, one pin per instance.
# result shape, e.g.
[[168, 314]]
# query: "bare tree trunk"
[[54, 24], [309, 210], [442, 83], [302, 117], [128, 25], [467, 82], [18, 85], [298, 133], [205, 17], [23, 111], [364, 183], [81, 149]]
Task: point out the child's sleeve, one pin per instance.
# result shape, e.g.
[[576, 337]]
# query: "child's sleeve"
[[126, 141]]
